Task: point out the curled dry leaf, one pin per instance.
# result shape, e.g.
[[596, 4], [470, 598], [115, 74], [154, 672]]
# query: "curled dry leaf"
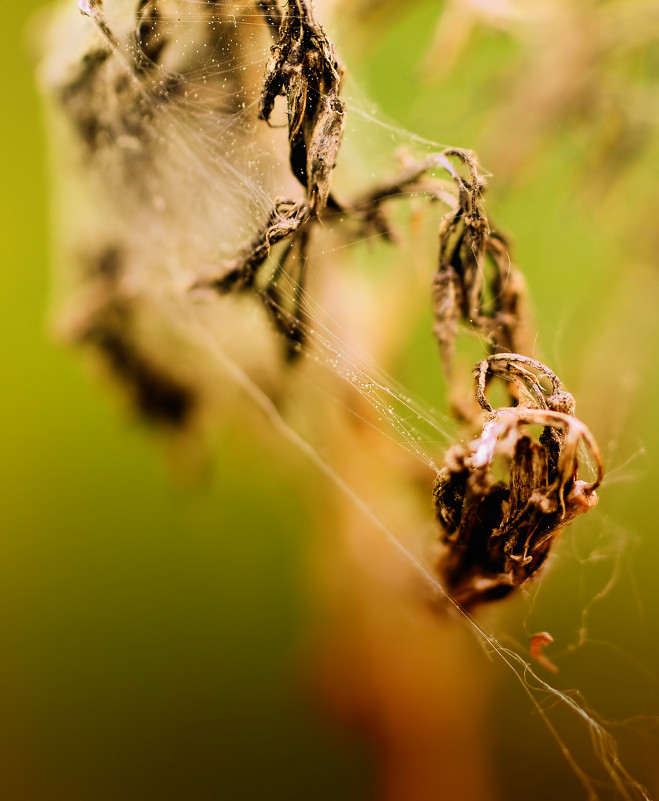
[[475, 281], [304, 68]]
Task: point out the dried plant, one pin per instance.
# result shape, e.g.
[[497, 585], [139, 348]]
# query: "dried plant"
[[475, 280], [303, 67], [504, 497]]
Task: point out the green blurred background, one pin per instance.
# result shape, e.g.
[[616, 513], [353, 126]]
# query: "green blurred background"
[[152, 633]]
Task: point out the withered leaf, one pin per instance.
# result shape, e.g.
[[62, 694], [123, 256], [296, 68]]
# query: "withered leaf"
[[304, 68]]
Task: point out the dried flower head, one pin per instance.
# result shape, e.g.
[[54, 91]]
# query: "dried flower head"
[[504, 497]]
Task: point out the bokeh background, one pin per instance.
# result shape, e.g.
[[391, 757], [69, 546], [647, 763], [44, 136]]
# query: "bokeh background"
[[155, 632]]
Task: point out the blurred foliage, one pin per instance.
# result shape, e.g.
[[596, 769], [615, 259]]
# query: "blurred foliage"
[[153, 633]]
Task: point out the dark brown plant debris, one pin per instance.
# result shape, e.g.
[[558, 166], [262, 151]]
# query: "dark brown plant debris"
[[159, 397], [503, 498], [107, 324], [416, 177], [285, 220], [475, 282], [288, 220], [304, 68]]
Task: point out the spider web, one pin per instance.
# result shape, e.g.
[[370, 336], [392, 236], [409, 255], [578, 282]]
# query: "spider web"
[[208, 178]]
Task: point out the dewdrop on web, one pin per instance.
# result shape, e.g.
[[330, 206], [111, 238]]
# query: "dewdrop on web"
[[203, 139]]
